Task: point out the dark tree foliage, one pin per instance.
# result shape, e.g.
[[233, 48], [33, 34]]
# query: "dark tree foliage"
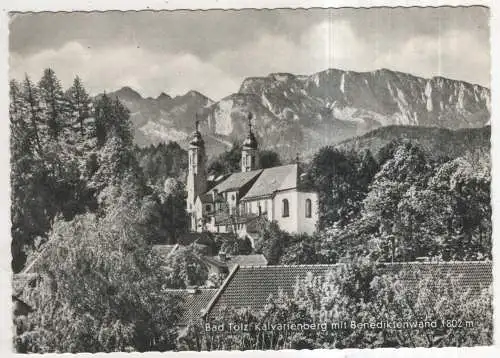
[[268, 159], [341, 179], [162, 161], [230, 161], [227, 162], [82, 207], [408, 206]]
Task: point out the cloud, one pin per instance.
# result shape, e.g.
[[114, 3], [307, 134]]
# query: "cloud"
[[334, 44], [108, 69], [454, 53]]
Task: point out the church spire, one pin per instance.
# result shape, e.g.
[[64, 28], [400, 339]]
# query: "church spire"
[[196, 178], [197, 139], [249, 149], [250, 141]]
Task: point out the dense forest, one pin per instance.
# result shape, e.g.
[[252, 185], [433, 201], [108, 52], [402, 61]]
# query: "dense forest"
[[88, 205]]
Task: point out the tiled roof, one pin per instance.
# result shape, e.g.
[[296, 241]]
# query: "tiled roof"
[[192, 303], [247, 260], [241, 260], [250, 286], [472, 275], [273, 179], [236, 180]]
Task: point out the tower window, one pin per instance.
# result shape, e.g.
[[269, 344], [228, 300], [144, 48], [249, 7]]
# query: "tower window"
[[308, 208], [285, 210]]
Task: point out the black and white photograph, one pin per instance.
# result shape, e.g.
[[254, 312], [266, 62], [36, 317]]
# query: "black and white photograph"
[[250, 179]]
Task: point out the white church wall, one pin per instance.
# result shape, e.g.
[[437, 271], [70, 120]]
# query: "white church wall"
[[286, 223], [305, 224]]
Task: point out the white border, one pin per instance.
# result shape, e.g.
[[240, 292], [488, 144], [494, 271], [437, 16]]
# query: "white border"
[[81, 5]]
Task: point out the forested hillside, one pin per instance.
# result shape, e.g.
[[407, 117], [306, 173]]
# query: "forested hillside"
[[438, 142]]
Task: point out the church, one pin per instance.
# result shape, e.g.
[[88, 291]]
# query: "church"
[[232, 203]]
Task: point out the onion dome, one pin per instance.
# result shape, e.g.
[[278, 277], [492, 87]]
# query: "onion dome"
[[250, 140], [196, 138]]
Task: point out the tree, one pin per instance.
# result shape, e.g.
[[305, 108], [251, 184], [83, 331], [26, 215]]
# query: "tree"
[[272, 243], [185, 268], [80, 105], [359, 293], [100, 288], [31, 98], [268, 159], [227, 162], [55, 104], [334, 175], [166, 210]]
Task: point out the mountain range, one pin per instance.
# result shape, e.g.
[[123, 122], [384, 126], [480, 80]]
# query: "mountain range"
[[298, 113]]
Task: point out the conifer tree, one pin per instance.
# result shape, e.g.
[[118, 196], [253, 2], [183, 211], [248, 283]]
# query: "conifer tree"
[[54, 104], [80, 106], [31, 99]]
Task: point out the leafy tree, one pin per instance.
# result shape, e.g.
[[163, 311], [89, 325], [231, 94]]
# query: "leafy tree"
[[166, 210], [236, 246], [117, 303], [272, 243], [360, 293], [185, 268], [334, 175]]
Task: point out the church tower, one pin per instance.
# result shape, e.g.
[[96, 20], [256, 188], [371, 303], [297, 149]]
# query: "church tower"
[[196, 179], [249, 149]]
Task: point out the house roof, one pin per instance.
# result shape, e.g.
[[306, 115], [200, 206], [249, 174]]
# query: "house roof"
[[471, 275], [192, 303], [250, 286], [247, 260], [231, 261], [236, 180], [273, 179], [164, 251]]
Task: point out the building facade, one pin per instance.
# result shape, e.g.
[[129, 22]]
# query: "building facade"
[[233, 202]]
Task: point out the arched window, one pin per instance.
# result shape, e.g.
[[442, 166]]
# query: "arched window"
[[285, 209], [308, 208]]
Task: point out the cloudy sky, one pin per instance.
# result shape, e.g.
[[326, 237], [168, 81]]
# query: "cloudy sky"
[[213, 51]]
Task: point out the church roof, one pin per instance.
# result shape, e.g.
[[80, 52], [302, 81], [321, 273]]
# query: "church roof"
[[236, 180], [273, 179]]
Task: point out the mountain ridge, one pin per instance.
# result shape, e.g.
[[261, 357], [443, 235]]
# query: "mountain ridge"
[[300, 113]]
